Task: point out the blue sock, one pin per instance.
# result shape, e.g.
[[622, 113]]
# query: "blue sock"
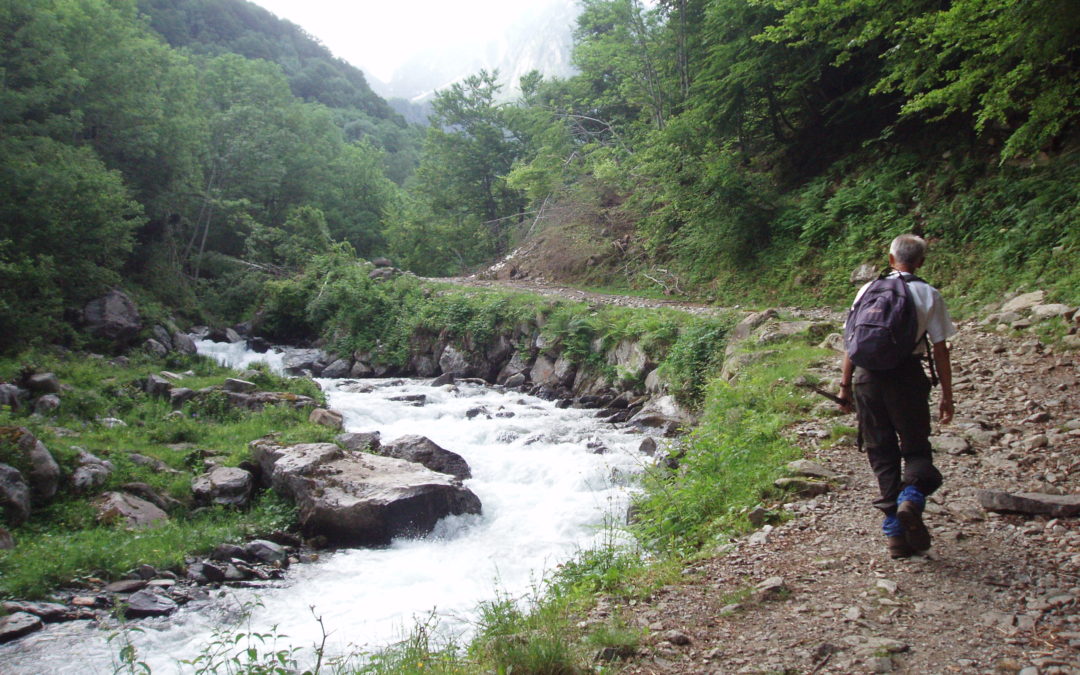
[[911, 494], [891, 527]]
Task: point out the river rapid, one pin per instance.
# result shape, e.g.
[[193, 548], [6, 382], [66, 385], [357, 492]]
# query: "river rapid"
[[549, 479]]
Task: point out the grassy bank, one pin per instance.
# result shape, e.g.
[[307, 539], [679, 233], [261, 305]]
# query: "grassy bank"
[[62, 542]]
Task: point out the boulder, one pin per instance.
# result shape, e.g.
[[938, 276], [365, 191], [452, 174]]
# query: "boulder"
[[810, 469], [423, 450], [361, 370], [565, 370], [46, 405], [327, 418], [662, 412], [11, 396], [337, 369], [49, 612], [518, 365], [804, 487], [14, 626], [833, 341], [382, 262], [261, 550], [629, 358], [144, 491], [225, 485], [1024, 302], [748, 325], [456, 362], [43, 474], [542, 373], [514, 381], [1052, 311], [1030, 503], [146, 603], [112, 317], [127, 510], [383, 273], [156, 385], [91, 472], [14, 495], [360, 499], [43, 383], [162, 335], [360, 442], [155, 348], [296, 361], [178, 396], [237, 385], [7, 542], [777, 331], [151, 463], [183, 343]]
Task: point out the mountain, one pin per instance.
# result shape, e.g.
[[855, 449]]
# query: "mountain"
[[540, 39]]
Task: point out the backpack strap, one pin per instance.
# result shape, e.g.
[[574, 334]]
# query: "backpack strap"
[[925, 336]]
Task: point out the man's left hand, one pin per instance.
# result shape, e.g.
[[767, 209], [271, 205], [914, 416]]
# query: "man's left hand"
[[945, 410]]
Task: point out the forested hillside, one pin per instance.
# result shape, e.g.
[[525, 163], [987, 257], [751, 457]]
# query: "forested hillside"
[[750, 149]]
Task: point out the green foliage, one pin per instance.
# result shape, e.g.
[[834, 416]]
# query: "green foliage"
[[513, 639], [694, 359], [730, 459]]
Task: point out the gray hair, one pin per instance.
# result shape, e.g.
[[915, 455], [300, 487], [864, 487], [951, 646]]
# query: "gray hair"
[[909, 249]]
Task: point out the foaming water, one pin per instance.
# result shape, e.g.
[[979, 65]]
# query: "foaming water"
[[548, 479]]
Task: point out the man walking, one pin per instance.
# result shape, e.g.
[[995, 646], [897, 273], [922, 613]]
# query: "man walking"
[[891, 394]]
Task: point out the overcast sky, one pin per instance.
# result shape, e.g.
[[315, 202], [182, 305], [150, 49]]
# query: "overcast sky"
[[379, 35]]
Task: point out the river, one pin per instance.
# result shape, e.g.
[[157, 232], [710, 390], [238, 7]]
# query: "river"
[[549, 480]]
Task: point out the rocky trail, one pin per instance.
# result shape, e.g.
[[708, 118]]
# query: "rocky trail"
[[817, 592]]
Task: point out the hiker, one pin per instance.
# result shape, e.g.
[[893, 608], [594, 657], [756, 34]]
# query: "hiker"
[[891, 391]]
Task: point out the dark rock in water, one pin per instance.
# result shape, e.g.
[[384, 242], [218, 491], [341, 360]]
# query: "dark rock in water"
[[43, 383], [265, 551], [476, 412], [126, 586], [227, 552], [444, 379], [360, 499], [563, 404], [423, 450], [417, 400], [235, 573], [514, 381], [1031, 503], [337, 369], [648, 446], [14, 626], [14, 495], [112, 317], [360, 442], [258, 345], [49, 612], [596, 448], [148, 603], [205, 572]]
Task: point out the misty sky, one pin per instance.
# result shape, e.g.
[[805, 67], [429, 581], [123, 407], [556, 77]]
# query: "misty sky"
[[379, 35]]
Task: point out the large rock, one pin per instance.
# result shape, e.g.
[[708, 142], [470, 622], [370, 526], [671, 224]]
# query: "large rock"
[[360, 499], [91, 472], [327, 418], [629, 358], [360, 441], [1024, 302], [43, 383], [296, 361], [749, 324], [112, 317], [225, 485], [127, 510], [11, 396], [518, 365], [147, 602], [14, 495], [183, 343], [1052, 311], [1031, 503], [864, 273], [14, 626], [543, 372], [44, 473], [423, 450], [46, 405], [456, 362], [337, 369], [7, 542], [663, 413]]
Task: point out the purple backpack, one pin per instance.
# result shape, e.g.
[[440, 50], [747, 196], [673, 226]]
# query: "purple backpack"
[[882, 327]]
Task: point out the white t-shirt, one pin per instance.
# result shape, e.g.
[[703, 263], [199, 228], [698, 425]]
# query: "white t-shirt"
[[930, 311]]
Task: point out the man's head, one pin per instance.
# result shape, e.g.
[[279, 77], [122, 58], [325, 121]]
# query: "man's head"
[[908, 251]]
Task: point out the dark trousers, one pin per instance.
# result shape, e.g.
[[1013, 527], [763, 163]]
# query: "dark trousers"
[[893, 408]]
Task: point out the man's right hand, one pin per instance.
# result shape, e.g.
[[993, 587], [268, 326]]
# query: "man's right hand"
[[845, 396]]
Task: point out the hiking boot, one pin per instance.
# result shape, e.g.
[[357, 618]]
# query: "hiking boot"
[[915, 532], [898, 547]]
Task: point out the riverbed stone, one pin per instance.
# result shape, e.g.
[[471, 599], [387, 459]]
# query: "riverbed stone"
[[337, 369], [147, 603], [423, 450], [224, 485], [662, 412], [49, 612], [183, 343], [360, 499], [265, 551], [360, 441], [14, 626], [126, 586]]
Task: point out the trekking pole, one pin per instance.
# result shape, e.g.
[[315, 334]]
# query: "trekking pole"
[[807, 384]]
